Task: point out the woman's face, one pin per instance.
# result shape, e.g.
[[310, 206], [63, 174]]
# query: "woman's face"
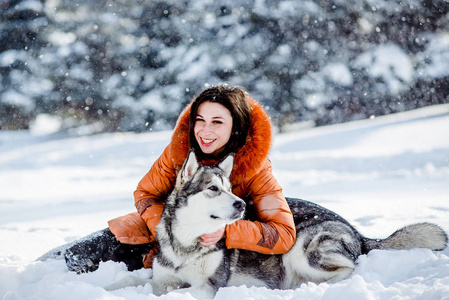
[[213, 127]]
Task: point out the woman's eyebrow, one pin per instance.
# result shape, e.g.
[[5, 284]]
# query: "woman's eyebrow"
[[217, 117]]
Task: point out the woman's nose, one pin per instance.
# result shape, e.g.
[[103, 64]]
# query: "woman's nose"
[[207, 128]]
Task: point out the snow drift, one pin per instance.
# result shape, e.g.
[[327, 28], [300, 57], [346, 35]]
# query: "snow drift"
[[379, 174]]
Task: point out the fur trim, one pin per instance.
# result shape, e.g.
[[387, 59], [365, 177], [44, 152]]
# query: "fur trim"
[[248, 159]]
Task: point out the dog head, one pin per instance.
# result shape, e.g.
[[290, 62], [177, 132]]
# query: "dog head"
[[202, 199]]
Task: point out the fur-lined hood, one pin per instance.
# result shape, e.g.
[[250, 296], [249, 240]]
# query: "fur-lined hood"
[[249, 159]]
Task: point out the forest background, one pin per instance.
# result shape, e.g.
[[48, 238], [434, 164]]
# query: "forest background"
[[84, 67]]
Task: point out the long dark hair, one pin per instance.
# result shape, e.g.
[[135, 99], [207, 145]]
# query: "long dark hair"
[[234, 98]]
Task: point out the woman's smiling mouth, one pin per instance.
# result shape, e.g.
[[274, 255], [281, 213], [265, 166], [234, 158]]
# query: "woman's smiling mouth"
[[207, 142]]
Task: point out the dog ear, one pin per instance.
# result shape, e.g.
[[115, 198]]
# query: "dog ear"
[[227, 164], [188, 169]]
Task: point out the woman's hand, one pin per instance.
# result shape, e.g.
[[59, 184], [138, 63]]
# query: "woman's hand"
[[212, 238]]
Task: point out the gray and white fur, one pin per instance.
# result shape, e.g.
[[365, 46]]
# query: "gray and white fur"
[[326, 248]]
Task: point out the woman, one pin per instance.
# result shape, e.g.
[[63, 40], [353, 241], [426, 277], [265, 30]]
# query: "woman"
[[220, 120]]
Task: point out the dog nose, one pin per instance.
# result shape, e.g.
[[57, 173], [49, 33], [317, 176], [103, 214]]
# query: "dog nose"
[[240, 205]]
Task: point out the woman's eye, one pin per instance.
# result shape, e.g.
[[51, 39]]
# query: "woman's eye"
[[213, 188]]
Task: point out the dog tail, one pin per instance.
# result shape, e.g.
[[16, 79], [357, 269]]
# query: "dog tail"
[[420, 235]]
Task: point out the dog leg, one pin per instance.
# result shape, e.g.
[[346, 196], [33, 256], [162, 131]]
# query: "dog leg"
[[322, 253], [165, 280]]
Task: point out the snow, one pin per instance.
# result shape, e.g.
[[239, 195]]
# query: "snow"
[[9, 57], [18, 99], [435, 57], [339, 74], [379, 174], [389, 63], [45, 124]]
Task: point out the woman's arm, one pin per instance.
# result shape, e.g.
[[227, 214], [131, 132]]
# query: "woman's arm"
[[274, 231], [152, 190]]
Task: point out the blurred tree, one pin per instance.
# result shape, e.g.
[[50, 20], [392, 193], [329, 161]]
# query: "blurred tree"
[[22, 87], [133, 64]]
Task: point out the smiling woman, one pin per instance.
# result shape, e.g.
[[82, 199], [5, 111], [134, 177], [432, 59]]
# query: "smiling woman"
[[228, 111], [213, 127], [222, 119]]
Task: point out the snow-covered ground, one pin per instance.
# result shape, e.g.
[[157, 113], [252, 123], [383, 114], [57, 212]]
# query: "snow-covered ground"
[[380, 174]]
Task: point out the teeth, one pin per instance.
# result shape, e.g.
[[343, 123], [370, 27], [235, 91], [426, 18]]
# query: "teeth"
[[207, 141]]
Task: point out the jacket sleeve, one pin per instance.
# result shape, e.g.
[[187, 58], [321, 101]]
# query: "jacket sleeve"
[[274, 231], [153, 189]]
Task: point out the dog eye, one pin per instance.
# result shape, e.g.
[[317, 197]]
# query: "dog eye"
[[213, 188]]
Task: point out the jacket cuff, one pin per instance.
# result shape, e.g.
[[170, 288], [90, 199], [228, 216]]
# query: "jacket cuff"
[[143, 204]]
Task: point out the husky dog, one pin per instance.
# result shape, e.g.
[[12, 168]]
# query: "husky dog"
[[326, 248]]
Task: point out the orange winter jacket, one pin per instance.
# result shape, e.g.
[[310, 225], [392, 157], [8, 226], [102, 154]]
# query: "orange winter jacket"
[[273, 231]]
